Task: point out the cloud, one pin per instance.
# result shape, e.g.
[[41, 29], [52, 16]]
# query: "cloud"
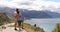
[[7, 3], [32, 4]]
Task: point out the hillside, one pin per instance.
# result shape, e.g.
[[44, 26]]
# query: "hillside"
[[30, 28], [36, 14], [4, 18]]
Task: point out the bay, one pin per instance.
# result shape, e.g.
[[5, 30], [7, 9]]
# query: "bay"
[[48, 24]]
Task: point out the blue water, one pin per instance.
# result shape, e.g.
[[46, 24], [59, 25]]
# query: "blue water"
[[47, 24]]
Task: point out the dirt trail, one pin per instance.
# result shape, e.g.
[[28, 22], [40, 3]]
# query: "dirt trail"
[[6, 28]]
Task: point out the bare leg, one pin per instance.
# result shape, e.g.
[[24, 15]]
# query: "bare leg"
[[15, 25], [19, 27], [22, 24]]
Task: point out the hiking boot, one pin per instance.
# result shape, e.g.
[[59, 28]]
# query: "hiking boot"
[[22, 28], [15, 29]]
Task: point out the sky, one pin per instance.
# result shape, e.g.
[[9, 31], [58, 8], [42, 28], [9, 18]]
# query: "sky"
[[51, 5]]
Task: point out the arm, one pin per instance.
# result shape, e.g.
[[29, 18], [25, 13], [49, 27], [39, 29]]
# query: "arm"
[[23, 18]]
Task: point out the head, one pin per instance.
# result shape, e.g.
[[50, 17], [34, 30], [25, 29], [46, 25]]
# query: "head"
[[17, 10]]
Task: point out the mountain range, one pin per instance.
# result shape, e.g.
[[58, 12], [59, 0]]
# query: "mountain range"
[[31, 13]]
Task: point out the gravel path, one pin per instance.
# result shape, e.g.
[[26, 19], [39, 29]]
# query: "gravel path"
[[10, 29]]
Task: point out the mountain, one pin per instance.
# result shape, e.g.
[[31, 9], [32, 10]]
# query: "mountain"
[[31, 13], [53, 14], [36, 14]]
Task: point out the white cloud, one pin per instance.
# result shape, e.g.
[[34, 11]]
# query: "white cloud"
[[32, 4], [8, 4]]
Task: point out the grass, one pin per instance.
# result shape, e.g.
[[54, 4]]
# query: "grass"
[[30, 28], [4, 19]]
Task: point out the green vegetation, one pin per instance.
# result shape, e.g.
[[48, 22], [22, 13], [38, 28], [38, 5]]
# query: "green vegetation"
[[57, 28], [4, 18], [30, 28]]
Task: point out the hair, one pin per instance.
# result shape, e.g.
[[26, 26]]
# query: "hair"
[[17, 10]]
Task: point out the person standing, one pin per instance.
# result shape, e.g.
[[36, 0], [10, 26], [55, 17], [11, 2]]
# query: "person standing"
[[15, 18], [18, 19]]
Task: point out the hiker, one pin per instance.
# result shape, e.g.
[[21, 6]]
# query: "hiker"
[[20, 22], [35, 27], [18, 19], [15, 18]]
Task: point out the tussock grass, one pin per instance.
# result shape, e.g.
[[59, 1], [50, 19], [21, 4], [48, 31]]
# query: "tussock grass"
[[30, 28]]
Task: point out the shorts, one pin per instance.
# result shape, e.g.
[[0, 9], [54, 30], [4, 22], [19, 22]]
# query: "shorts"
[[20, 22]]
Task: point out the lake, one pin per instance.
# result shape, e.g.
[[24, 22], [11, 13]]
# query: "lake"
[[47, 24]]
